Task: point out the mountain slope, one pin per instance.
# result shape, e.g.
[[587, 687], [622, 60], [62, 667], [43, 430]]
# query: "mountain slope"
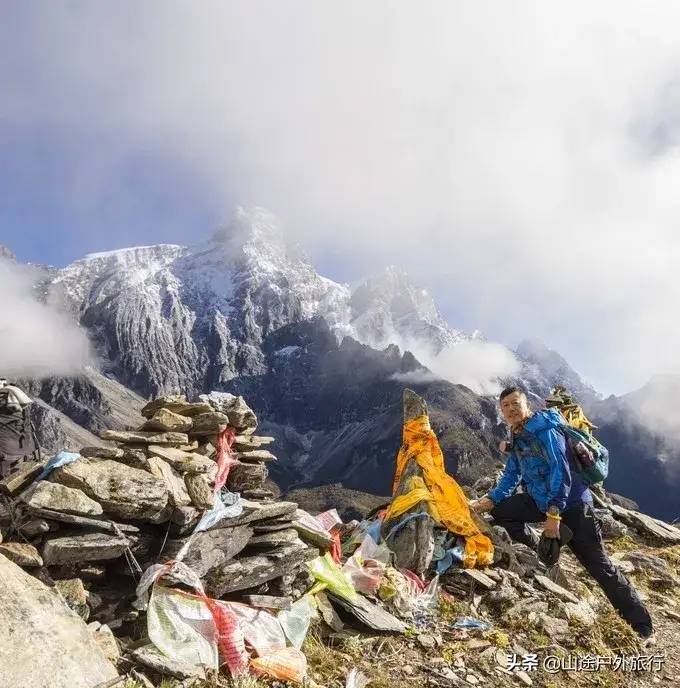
[[336, 410], [171, 318], [642, 433]]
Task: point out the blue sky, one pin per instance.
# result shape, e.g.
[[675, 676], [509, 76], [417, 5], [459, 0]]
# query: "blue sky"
[[521, 162]]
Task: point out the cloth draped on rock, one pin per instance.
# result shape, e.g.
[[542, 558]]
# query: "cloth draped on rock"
[[445, 500]]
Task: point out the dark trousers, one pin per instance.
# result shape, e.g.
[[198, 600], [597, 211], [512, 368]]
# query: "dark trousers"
[[516, 511]]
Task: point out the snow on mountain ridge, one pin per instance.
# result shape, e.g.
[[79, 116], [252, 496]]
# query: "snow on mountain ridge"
[[169, 317], [389, 309]]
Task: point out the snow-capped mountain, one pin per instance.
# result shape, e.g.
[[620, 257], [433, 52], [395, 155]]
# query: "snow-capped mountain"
[[390, 309], [543, 368], [174, 318], [170, 317]]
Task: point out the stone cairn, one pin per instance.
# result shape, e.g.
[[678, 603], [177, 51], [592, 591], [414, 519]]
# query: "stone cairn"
[[91, 527]]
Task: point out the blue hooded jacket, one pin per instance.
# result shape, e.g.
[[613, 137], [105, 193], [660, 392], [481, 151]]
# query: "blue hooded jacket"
[[539, 458]]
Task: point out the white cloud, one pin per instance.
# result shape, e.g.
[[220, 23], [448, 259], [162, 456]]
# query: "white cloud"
[[35, 340], [523, 157], [477, 364]]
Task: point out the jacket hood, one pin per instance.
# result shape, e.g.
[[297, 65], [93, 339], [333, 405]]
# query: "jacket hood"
[[545, 419]]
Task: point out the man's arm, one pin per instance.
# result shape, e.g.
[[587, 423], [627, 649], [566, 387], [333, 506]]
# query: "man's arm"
[[508, 482], [560, 474]]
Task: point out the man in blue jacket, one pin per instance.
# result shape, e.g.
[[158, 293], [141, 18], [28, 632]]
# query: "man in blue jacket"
[[554, 493]]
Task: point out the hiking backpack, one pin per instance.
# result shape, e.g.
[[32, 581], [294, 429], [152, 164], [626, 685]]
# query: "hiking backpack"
[[585, 453]]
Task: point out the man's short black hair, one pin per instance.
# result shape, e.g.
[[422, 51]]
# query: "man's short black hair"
[[510, 390]]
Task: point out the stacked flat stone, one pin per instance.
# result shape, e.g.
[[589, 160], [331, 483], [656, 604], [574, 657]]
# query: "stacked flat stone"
[[93, 524]]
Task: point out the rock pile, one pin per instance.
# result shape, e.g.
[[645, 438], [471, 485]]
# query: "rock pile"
[[97, 519]]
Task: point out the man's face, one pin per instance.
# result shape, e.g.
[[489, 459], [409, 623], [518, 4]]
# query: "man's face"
[[515, 408]]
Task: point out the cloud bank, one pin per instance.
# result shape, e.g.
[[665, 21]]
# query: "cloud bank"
[[475, 363], [35, 340], [521, 158]]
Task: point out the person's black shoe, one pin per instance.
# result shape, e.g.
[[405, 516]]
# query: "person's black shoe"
[[646, 635]]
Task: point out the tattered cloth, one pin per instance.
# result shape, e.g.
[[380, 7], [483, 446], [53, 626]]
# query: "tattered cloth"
[[445, 500]]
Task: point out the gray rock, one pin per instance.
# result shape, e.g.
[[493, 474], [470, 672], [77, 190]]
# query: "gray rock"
[[258, 511], [142, 437], [246, 443], [151, 657], [555, 628], [185, 516], [256, 455], [610, 527], [184, 462], [211, 423], [527, 558], [68, 500], [103, 636], [480, 579], [200, 490], [504, 553], [504, 595], [102, 452], [177, 491], [21, 553], [244, 476], [643, 562], [98, 524], [123, 491], [258, 495], [277, 538], [526, 605], [36, 526], [625, 502], [647, 525], [176, 404], [581, 612], [556, 589], [268, 601], [239, 413], [210, 549], [33, 622], [18, 480], [74, 595], [166, 420], [86, 547], [249, 572], [206, 449], [370, 614], [135, 457], [306, 534]]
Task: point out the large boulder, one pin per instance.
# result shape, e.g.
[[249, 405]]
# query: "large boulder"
[[68, 500], [240, 415], [246, 476], [145, 437], [85, 547], [176, 404], [165, 419], [43, 644], [209, 549], [122, 491]]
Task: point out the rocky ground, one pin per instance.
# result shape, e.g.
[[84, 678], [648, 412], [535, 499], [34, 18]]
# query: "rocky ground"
[[98, 520], [528, 614]]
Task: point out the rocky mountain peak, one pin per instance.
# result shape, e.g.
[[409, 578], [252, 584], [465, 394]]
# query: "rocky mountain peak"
[[253, 232], [543, 368], [390, 308]]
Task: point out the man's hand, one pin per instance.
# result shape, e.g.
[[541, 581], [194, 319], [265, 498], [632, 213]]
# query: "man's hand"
[[482, 504], [551, 528]]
